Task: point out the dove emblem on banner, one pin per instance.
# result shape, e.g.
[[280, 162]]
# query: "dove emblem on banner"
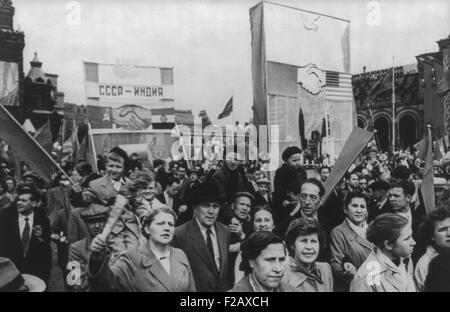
[[309, 21], [311, 78]]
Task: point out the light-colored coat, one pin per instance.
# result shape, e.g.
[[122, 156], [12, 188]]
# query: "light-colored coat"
[[378, 274], [347, 246], [299, 282], [138, 269]]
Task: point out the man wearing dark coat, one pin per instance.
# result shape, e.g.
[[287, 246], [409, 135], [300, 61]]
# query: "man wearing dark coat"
[[25, 235], [205, 241]]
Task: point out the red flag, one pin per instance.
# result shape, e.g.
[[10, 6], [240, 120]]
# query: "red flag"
[[422, 146], [44, 137], [354, 145], [26, 147], [227, 110], [427, 187], [87, 150]]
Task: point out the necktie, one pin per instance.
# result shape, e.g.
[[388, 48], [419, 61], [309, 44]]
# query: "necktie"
[[26, 237], [209, 244]]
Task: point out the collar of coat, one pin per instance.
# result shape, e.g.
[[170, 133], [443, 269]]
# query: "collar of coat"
[[149, 258]]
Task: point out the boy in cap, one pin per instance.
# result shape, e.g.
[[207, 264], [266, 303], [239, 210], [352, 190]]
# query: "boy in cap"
[[290, 172]]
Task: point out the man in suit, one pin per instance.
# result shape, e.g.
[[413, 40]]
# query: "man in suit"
[[206, 241], [25, 235]]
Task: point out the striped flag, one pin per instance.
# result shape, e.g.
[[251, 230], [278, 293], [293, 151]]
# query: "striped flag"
[[163, 118], [338, 86]]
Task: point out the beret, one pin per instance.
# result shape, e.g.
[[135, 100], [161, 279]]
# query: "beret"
[[289, 151]]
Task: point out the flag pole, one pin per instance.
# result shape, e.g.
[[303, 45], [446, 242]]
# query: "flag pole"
[[393, 105], [39, 145], [94, 152]]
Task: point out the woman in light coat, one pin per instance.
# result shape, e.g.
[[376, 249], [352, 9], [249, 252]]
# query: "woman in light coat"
[[154, 266], [388, 268], [349, 246], [304, 239]]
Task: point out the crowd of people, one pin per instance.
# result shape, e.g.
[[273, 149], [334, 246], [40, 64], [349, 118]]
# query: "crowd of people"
[[187, 226]]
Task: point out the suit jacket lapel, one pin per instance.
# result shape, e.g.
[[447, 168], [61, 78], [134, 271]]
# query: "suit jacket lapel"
[[199, 245], [149, 261]]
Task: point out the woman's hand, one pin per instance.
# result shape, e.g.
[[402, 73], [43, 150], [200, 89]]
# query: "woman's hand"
[[349, 268]]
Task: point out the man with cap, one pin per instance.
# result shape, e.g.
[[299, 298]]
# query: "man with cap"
[[12, 281], [204, 240], [95, 217], [291, 171], [25, 235], [379, 202]]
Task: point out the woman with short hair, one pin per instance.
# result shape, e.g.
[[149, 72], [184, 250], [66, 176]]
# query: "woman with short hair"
[[262, 220], [263, 261], [349, 246], [154, 266], [304, 239], [388, 268]]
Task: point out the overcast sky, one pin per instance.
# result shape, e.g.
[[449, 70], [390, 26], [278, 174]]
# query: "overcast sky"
[[208, 42]]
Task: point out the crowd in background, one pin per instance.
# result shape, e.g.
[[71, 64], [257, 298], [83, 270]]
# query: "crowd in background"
[[224, 225]]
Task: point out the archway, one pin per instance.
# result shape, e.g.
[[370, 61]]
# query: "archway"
[[407, 130], [382, 125], [361, 123]]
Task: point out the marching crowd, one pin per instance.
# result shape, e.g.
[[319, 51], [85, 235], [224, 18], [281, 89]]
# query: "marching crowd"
[[191, 227]]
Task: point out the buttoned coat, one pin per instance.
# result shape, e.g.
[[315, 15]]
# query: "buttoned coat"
[[347, 246], [138, 269]]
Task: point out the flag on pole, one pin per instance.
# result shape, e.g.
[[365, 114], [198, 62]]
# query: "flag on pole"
[[421, 147], [427, 187], [87, 150], [44, 137], [354, 145], [227, 110], [26, 147]]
